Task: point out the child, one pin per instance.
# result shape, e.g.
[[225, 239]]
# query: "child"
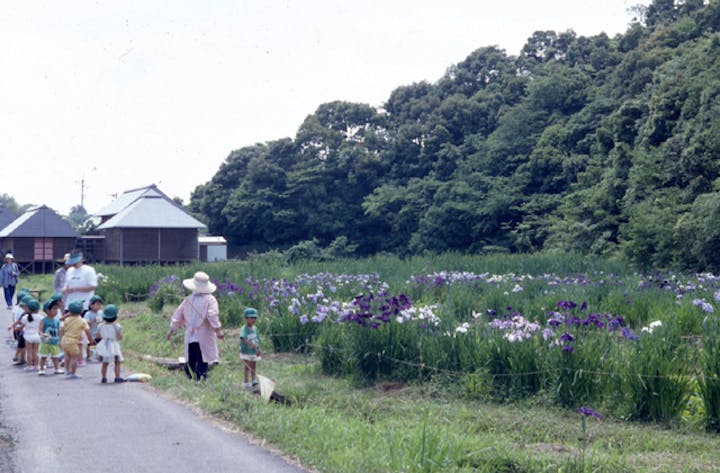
[[50, 335], [71, 332], [108, 348], [18, 313], [30, 327], [93, 316], [250, 351]]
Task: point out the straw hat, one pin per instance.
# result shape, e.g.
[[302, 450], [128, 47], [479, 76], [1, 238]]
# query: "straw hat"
[[200, 283]]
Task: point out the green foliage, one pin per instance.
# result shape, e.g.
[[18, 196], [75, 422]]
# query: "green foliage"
[[710, 379], [589, 144]]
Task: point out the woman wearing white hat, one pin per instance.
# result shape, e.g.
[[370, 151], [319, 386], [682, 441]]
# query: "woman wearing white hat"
[[9, 274], [198, 313]]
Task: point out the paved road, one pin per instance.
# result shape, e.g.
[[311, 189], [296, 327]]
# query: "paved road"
[[60, 425]]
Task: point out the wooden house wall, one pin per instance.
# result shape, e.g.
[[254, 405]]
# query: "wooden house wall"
[[178, 244], [140, 245], [62, 246], [150, 245], [23, 249], [112, 245]]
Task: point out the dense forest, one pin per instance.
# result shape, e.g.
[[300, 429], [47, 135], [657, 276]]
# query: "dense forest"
[[591, 144]]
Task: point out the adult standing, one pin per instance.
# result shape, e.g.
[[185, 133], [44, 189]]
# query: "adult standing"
[[80, 280], [198, 314], [9, 274], [61, 273]]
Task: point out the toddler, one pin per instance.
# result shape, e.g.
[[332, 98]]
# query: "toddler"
[[108, 348], [250, 348], [29, 325], [50, 335], [93, 316], [71, 332]]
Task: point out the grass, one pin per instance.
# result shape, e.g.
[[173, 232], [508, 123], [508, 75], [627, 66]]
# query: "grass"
[[336, 426], [445, 423]]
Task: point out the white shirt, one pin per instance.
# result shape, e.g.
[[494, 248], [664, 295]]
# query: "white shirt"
[[79, 277]]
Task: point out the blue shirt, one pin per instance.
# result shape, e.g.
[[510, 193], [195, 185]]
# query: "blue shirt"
[[51, 327]]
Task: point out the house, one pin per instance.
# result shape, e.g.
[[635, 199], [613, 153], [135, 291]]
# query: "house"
[[144, 226], [38, 238], [212, 248]]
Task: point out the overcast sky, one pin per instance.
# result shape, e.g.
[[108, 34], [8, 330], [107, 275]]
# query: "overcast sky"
[[122, 94]]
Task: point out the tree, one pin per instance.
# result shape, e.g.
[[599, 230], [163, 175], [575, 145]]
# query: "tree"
[[81, 220]]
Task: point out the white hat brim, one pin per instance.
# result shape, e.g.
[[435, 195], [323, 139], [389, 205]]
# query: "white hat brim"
[[208, 288]]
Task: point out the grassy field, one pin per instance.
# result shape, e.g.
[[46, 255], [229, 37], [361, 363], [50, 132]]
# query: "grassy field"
[[453, 393]]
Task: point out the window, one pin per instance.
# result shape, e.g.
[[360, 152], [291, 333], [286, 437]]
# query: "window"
[[43, 249]]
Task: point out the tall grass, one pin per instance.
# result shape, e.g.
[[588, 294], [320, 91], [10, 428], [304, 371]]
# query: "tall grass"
[[646, 379]]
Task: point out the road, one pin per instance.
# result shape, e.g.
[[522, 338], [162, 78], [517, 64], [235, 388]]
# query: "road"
[[52, 424]]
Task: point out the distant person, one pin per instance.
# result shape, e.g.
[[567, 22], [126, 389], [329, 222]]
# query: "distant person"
[[108, 349], [198, 313], [80, 281], [61, 273], [9, 274], [250, 348]]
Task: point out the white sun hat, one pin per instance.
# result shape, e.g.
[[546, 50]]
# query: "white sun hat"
[[200, 283]]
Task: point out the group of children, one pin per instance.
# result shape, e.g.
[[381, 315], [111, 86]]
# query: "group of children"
[[65, 336], [60, 333]]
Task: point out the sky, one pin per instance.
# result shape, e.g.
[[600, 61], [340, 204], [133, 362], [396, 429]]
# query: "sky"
[[99, 97]]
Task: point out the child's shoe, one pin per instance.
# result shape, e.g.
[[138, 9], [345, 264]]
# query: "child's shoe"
[[119, 380], [247, 386], [41, 372], [103, 381], [59, 371]]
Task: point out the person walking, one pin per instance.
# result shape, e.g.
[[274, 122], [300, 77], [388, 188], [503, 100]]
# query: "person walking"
[[198, 314], [9, 275]]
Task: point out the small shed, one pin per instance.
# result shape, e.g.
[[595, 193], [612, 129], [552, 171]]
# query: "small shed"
[[150, 228], [38, 238], [212, 248]]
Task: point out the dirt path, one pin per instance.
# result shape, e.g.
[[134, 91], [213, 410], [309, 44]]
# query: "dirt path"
[[53, 424]]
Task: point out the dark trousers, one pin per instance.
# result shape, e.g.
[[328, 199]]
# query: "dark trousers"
[[195, 363], [9, 292]]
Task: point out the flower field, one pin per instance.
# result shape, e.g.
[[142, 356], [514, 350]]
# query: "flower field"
[[568, 331]]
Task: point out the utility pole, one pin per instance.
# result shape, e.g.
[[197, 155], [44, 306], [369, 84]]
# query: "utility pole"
[[82, 192]]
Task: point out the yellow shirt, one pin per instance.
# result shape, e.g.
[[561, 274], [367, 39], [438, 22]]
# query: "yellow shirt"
[[74, 326]]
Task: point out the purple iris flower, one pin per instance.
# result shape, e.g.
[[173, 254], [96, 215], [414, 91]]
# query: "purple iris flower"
[[588, 412]]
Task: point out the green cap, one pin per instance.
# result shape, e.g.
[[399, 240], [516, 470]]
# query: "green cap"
[[33, 304], [94, 299], [251, 313], [23, 300], [75, 307], [110, 312], [47, 305], [57, 296]]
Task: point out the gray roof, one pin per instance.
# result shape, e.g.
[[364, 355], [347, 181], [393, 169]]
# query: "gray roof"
[[39, 222], [152, 211], [6, 217], [128, 197]]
